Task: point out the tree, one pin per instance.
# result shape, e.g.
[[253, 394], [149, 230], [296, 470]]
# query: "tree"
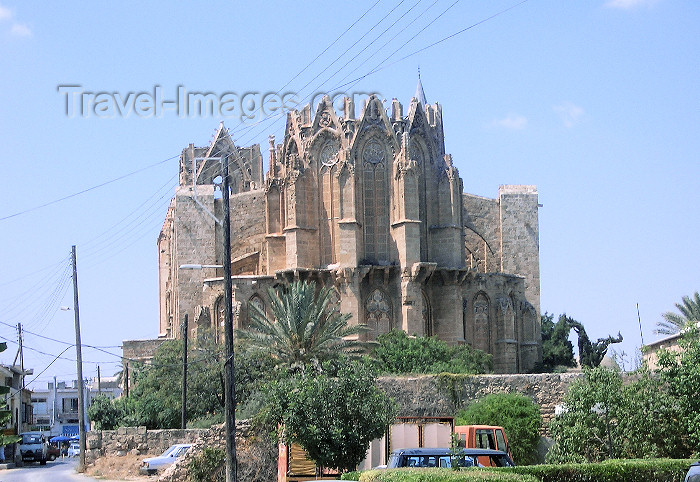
[[105, 413], [674, 322], [557, 350], [604, 418], [333, 415], [5, 413], [305, 327], [396, 352], [587, 430], [680, 371], [591, 354], [517, 414], [156, 397]]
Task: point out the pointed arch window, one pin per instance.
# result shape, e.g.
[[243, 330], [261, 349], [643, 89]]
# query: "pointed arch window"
[[375, 180], [330, 201]]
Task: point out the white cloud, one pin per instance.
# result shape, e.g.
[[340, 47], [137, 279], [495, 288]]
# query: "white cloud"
[[5, 13], [511, 121], [629, 4], [20, 30], [569, 113]]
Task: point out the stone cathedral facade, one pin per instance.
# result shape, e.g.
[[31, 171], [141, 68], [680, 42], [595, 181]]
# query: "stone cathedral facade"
[[370, 204]]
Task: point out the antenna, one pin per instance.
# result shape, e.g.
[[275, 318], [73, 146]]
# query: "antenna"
[[641, 334]]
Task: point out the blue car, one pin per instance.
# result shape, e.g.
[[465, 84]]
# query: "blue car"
[[693, 474]]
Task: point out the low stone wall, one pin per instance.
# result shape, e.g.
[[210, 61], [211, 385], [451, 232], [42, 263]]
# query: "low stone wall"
[[444, 395], [136, 440], [257, 454]]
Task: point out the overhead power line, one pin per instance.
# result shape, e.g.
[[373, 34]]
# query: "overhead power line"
[[88, 189]]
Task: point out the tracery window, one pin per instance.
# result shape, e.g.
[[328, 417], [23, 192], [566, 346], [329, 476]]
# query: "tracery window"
[[375, 181], [330, 201]]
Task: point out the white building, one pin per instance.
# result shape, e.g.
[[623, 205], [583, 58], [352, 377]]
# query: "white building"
[[56, 408]]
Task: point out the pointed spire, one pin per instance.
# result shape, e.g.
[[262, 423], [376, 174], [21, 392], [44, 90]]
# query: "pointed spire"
[[420, 93]]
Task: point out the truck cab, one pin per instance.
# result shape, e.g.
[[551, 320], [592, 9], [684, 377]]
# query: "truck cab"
[[34, 447], [483, 437]]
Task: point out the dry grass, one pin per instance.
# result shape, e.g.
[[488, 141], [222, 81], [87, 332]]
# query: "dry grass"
[[112, 467]]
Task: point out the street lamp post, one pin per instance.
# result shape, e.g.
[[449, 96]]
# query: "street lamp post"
[[229, 378]]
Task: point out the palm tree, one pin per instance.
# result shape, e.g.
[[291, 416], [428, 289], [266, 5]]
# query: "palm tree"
[[304, 327], [673, 322]]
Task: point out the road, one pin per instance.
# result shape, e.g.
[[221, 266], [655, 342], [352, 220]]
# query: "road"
[[61, 470]]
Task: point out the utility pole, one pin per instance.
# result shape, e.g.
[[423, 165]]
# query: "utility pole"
[[126, 380], [229, 381], [99, 381], [79, 356], [185, 330]]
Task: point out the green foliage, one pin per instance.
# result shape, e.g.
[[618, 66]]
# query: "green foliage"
[[680, 372], [104, 413], [439, 475], [5, 413], [589, 427], [333, 415], [650, 426], [674, 322], [208, 466], [156, 397], [398, 353], [517, 414], [305, 326], [557, 350], [657, 470], [652, 415]]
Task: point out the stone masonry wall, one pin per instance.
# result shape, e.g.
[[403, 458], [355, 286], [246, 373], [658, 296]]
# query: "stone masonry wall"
[[445, 395]]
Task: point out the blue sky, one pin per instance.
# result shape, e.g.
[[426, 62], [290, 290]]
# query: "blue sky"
[[596, 102]]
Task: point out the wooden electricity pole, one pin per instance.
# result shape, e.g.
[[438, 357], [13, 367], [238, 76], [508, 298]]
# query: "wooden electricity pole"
[[79, 357], [229, 381]]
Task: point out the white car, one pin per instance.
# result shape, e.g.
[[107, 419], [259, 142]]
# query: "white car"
[[152, 464], [74, 450]]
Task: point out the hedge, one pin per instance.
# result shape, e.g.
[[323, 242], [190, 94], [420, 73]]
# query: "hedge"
[[437, 475], [651, 470], [647, 470]]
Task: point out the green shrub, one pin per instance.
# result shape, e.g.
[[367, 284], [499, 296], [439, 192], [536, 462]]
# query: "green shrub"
[[438, 475], [399, 353], [517, 414], [651, 470], [208, 466]]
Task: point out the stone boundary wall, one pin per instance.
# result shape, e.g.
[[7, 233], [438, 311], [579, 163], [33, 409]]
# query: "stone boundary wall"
[[136, 440], [444, 395]]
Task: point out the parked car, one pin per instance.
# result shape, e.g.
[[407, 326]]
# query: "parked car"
[[54, 452], [151, 465], [442, 457], [74, 449], [693, 474]]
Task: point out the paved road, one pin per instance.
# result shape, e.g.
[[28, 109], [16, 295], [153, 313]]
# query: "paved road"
[[60, 470]]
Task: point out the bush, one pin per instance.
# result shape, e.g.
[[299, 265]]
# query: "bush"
[[208, 466], [652, 470], [517, 414], [437, 475], [399, 353]]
